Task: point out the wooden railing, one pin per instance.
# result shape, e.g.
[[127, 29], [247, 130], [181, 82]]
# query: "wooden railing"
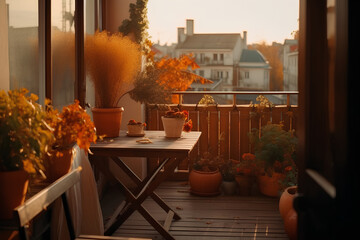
[[224, 128]]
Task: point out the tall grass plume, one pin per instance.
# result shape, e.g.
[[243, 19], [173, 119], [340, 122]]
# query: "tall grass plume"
[[112, 62]]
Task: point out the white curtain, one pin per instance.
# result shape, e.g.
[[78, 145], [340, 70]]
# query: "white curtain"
[[83, 202]]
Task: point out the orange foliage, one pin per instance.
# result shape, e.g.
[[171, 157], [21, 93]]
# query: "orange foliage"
[[71, 125], [175, 73], [272, 54]]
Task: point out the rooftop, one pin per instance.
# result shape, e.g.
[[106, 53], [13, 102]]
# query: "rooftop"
[[253, 56], [210, 41]]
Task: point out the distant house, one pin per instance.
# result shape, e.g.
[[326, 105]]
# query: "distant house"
[[224, 59], [290, 64], [217, 54], [253, 71]]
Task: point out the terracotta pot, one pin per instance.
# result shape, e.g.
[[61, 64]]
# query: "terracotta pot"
[[290, 224], [229, 187], [58, 163], [13, 188], [173, 126], [270, 186], [286, 200], [107, 121], [205, 183], [245, 184]]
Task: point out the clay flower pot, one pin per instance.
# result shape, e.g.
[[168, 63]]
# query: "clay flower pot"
[[290, 224], [286, 200], [205, 183], [107, 121], [270, 186], [13, 188], [245, 184], [59, 163]]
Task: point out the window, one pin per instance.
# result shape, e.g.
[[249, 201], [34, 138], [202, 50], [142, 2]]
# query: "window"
[[201, 73], [63, 52], [23, 44], [221, 57], [202, 57], [215, 57], [247, 75]]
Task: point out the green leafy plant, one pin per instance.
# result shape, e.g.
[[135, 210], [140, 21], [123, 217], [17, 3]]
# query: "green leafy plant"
[[25, 137], [227, 169], [137, 23], [207, 163], [272, 146]]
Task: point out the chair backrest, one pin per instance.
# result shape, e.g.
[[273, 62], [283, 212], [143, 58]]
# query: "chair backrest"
[[38, 203]]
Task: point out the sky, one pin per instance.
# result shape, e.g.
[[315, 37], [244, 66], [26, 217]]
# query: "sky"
[[264, 20]]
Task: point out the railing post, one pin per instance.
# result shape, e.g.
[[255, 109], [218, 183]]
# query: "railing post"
[[288, 99]]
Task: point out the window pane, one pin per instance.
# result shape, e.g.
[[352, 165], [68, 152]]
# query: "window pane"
[[23, 45], [63, 52]]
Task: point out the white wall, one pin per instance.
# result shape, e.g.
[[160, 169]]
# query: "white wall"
[[256, 79], [4, 48]]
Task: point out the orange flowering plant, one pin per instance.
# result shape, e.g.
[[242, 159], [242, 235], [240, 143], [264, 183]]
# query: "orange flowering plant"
[[247, 165], [71, 125], [176, 113]]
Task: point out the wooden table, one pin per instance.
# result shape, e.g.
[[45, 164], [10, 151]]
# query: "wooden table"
[[170, 151]]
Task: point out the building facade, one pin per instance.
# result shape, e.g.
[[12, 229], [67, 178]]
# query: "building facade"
[[290, 65], [224, 59]]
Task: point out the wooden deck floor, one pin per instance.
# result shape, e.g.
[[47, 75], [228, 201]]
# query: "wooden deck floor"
[[219, 217]]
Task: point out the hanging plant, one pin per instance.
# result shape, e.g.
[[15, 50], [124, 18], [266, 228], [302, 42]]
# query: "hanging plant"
[[137, 23]]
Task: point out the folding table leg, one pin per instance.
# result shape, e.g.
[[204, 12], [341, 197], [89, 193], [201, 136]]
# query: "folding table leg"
[[164, 206], [141, 184], [158, 227]]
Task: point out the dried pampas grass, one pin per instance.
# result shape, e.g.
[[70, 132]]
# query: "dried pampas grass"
[[112, 62]]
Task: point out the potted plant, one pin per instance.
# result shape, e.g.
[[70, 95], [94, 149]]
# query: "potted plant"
[[205, 176], [112, 62], [289, 184], [246, 171], [227, 169], [135, 128], [176, 121], [70, 126], [272, 146], [24, 140]]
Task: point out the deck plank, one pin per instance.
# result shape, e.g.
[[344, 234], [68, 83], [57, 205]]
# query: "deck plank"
[[219, 217]]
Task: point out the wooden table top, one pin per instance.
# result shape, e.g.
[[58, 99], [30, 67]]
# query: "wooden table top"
[[160, 146]]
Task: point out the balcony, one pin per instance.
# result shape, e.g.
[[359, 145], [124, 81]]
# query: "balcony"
[[224, 127]]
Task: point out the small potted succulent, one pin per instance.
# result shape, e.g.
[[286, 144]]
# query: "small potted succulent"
[[24, 140], [71, 126], [176, 121]]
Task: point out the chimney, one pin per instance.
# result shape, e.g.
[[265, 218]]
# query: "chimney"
[[181, 34], [245, 39], [189, 27]]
